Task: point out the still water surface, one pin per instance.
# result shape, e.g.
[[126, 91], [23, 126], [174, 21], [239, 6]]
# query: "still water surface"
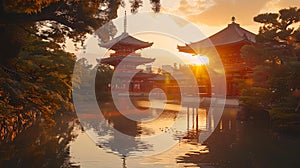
[[164, 151], [233, 143]]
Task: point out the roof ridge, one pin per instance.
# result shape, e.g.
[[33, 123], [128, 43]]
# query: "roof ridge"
[[237, 29], [219, 32], [125, 38]]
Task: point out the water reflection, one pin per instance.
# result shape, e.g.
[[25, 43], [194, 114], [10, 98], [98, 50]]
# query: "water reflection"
[[233, 144], [116, 133], [217, 146], [124, 137], [248, 144], [111, 136], [40, 146]]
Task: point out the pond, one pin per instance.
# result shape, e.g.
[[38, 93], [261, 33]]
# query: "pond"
[[170, 140]]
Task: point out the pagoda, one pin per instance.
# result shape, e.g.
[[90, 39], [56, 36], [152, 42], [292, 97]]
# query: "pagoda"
[[125, 60], [228, 43]]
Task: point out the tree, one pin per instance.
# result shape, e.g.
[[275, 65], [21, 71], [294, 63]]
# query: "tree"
[[41, 90], [276, 57], [55, 20], [35, 71], [103, 78]]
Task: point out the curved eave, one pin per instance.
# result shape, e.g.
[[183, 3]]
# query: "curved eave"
[[128, 59], [125, 41], [185, 49], [121, 45], [195, 50], [231, 35]]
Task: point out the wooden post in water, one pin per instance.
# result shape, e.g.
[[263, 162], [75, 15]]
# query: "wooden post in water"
[[124, 162], [188, 119], [197, 121], [193, 118], [208, 118]]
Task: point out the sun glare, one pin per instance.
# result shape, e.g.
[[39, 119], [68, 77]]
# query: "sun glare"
[[198, 60]]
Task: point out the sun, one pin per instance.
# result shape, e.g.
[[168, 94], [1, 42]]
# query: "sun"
[[199, 60]]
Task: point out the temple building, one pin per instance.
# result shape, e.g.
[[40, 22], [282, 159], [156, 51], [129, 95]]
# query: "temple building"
[[228, 43], [125, 60]]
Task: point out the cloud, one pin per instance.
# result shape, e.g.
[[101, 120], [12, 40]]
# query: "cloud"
[[219, 12], [288, 3], [187, 8], [276, 5], [215, 14], [223, 10]]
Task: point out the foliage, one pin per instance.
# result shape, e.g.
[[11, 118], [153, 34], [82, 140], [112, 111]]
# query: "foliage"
[[276, 59], [36, 85], [103, 77], [255, 98], [41, 146], [57, 20], [88, 78], [35, 71], [82, 74], [285, 121]]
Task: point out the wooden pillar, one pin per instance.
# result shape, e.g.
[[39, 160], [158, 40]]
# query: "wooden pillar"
[[187, 118], [220, 128], [209, 119], [197, 121], [193, 117]]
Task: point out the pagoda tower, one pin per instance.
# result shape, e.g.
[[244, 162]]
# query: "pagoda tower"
[[228, 43], [125, 60]]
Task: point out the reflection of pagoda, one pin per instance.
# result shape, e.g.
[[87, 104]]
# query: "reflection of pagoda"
[[228, 43], [125, 60]]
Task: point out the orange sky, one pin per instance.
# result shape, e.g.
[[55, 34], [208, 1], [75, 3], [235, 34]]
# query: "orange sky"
[[213, 15], [210, 16], [217, 13]]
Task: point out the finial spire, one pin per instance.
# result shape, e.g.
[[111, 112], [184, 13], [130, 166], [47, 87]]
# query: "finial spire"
[[233, 19], [125, 22]]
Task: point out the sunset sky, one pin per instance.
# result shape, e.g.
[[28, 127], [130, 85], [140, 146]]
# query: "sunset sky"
[[209, 16], [218, 12]]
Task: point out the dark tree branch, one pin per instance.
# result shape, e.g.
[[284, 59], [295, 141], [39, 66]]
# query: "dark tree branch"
[[1, 6], [62, 20], [33, 33], [22, 18]]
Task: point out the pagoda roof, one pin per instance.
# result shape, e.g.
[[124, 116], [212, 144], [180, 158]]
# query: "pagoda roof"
[[125, 41], [232, 34], [115, 60]]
